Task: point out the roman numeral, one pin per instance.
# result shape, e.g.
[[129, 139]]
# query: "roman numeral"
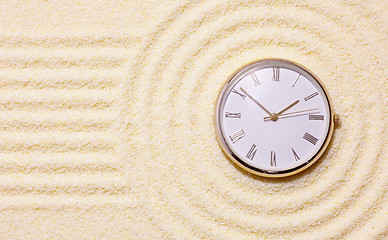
[[311, 96], [295, 155], [273, 159], [240, 94], [276, 74], [310, 138], [252, 151], [296, 81], [232, 115], [255, 79], [237, 135], [316, 117]]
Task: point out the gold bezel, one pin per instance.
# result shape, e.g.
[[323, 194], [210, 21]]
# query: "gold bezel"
[[261, 172]]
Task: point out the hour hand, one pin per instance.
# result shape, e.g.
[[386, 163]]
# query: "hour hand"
[[255, 101], [288, 107]]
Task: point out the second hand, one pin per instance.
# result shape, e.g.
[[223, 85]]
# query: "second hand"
[[292, 113]]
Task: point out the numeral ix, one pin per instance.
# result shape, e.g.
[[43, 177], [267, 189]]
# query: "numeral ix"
[[232, 115]]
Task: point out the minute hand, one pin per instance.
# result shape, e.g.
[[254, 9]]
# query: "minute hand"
[[291, 113], [255, 101]]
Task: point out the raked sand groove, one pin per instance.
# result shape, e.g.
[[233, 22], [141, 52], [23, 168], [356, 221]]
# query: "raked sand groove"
[[60, 105], [113, 135]]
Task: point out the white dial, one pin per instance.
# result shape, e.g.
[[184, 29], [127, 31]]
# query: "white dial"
[[274, 118]]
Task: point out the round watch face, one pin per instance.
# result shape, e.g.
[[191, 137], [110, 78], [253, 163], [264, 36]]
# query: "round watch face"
[[274, 118]]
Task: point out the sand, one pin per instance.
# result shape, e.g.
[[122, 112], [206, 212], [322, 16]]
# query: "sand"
[[106, 124]]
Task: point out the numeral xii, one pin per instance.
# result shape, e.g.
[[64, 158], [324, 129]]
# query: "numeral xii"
[[276, 74]]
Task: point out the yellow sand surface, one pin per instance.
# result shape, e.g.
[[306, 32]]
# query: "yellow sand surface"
[[106, 119]]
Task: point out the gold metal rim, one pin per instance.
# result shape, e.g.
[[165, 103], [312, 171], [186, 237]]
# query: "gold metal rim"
[[274, 174]]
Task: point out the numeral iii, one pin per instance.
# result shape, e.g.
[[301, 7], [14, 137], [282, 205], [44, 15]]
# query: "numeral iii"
[[316, 117]]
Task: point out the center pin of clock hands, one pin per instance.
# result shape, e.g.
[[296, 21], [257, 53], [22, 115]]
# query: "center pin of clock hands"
[[272, 116]]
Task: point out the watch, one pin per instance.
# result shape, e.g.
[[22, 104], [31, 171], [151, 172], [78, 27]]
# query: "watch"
[[274, 118]]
